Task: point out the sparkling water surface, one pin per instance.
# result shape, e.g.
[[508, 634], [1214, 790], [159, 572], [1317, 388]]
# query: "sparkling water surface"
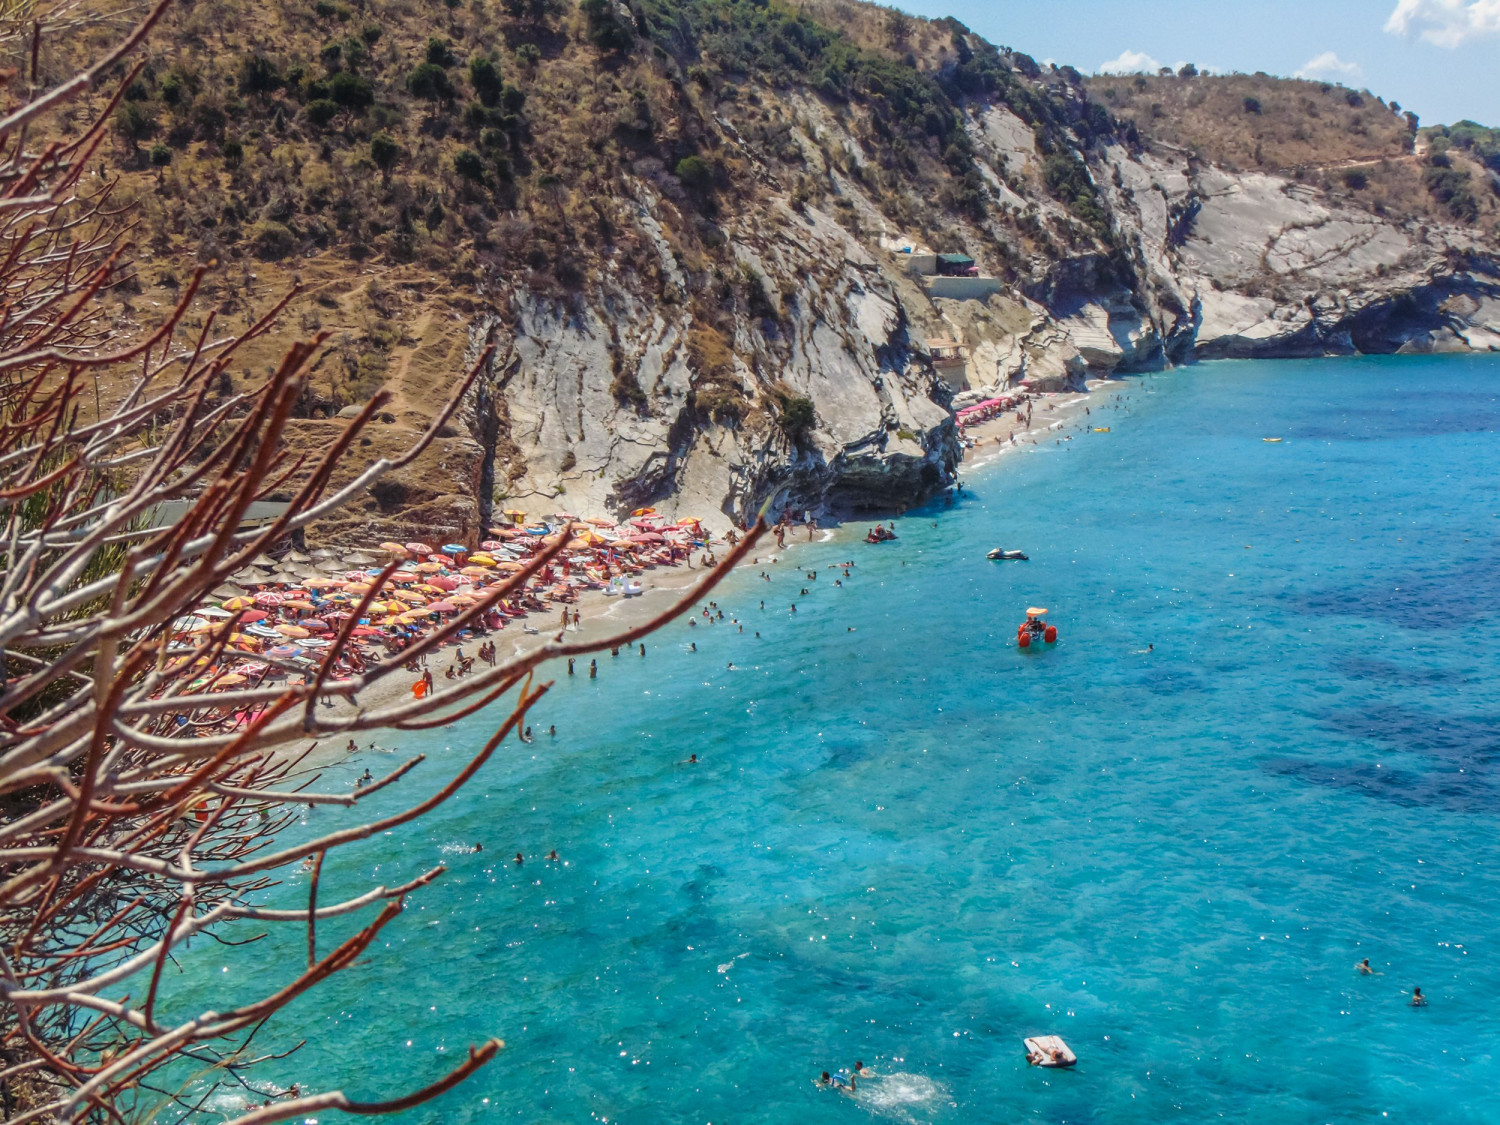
[[912, 844]]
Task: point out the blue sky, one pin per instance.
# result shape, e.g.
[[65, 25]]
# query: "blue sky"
[[1440, 58]]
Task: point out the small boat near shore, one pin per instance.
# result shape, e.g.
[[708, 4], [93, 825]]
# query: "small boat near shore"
[[881, 534], [1271, 440], [1034, 632], [1000, 553]]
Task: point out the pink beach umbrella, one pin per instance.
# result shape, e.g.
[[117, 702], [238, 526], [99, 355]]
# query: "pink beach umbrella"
[[441, 607], [419, 548]]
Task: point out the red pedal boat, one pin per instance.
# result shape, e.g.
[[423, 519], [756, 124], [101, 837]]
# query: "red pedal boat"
[[1034, 631]]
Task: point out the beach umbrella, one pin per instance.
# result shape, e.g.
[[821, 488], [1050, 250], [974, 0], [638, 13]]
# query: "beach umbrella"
[[292, 631], [413, 617], [453, 549], [230, 679], [443, 582], [579, 543], [316, 625], [644, 512], [239, 603], [364, 631], [297, 603], [493, 544], [515, 513], [411, 596], [284, 652], [474, 571], [393, 548], [268, 600], [441, 607], [480, 558], [649, 522], [359, 588], [509, 566], [419, 548]]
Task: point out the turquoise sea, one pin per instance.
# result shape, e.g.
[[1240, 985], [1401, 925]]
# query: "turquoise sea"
[[911, 844]]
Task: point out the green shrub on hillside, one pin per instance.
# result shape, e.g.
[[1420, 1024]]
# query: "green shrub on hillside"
[[797, 415], [606, 30], [350, 91], [1452, 188], [696, 173], [469, 164], [134, 122], [484, 76], [430, 81], [320, 111]]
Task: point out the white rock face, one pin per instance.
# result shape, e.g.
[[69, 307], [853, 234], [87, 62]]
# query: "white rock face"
[[595, 401]]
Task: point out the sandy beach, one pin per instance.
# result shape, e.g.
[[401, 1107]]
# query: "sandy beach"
[[602, 615]]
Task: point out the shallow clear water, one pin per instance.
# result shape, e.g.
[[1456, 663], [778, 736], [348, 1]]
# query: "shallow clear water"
[[913, 845]]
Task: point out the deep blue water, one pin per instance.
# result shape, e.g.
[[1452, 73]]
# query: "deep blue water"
[[913, 845]]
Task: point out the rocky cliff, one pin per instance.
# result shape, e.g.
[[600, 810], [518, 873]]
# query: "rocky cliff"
[[697, 234]]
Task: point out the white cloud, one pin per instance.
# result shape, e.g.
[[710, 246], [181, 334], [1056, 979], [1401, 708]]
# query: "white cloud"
[[1130, 62], [1328, 65], [1445, 23]]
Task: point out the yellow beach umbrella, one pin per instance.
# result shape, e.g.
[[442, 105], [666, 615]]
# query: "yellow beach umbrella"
[[481, 559], [234, 604], [292, 631], [411, 596]]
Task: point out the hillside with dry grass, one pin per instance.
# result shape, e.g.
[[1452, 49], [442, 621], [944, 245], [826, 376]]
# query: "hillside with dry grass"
[[415, 168], [672, 220], [1352, 144]]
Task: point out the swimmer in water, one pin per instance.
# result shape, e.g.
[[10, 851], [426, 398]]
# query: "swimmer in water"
[[1363, 967], [520, 859], [1417, 999], [860, 1071]]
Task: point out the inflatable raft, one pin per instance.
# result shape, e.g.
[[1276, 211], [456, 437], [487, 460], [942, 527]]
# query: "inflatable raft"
[[1049, 1050]]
